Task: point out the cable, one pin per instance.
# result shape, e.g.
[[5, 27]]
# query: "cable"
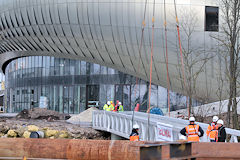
[[180, 47], [140, 49], [168, 81], [150, 85]]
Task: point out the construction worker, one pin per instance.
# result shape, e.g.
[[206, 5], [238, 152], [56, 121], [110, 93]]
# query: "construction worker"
[[134, 136], [106, 106], [212, 130], [192, 131], [221, 131], [120, 108], [111, 106], [116, 106]]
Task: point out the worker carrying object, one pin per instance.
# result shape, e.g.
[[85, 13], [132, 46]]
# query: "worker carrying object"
[[212, 130], [192, 131], [221, 131], [134, 136], [120, 107]]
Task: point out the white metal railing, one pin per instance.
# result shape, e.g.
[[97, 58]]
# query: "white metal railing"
[[121, 125]]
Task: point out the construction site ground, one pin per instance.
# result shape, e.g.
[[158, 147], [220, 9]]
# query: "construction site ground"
[[73, 131]]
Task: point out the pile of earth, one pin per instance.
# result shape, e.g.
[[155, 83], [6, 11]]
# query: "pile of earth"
[[53, 124], [85, 116], [42, 113], [21, 128]]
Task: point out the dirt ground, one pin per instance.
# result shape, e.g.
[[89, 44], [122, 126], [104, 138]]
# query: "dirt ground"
[[73, 130]]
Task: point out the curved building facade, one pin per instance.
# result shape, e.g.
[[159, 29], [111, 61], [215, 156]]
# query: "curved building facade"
[[108, 33], [72, 86]]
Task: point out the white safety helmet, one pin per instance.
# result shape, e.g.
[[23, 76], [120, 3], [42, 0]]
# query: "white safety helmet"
[[192, 119], [108, 103], [220, 122], [119, 103], [135, 126], [215, 118]]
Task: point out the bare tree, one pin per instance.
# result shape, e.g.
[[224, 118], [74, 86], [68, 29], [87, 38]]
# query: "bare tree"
[[229, 40], [194, 60]]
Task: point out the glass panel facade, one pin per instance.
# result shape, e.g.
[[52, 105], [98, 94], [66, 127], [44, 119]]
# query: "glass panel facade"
[[71, 86]]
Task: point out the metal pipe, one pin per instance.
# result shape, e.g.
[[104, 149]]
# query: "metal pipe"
[[69, 149]]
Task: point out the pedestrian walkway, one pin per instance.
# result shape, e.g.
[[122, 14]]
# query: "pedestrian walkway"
[[161, 128]]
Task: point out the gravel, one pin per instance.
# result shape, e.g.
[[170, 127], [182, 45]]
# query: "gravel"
[[83, 117]]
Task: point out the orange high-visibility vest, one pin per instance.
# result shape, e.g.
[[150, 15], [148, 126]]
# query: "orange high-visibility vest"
[[134, 138], [212, 131], [192, 132]]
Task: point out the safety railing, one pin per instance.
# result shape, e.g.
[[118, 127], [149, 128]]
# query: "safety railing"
[[121, 125]]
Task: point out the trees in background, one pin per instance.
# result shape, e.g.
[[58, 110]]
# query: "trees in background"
[[194, 56], [229, 40]]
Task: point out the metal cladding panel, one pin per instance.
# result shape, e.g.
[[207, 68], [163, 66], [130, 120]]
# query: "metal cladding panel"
[[106, 33]]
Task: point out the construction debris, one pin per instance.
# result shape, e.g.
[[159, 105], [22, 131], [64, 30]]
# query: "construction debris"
[[42, 113], [85, 116], [51, 133], [33, 128], [22, 128], [51, 123], [26, 134], [11, 133], [63, 134], [3, 128]]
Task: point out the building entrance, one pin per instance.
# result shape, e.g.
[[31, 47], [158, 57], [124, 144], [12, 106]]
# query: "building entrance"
[[123, 94], [92, 96]]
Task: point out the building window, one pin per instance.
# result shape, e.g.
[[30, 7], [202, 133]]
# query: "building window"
[[211, 19], [24, 91]]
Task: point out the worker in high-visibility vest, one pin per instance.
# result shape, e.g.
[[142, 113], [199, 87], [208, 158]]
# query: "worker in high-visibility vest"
[[112, 106], [192, 131], [212, 130], [116, 106], [120, 107], [134, 136], [106, 107]]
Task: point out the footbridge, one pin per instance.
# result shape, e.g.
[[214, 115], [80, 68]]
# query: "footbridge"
[[157, 128]]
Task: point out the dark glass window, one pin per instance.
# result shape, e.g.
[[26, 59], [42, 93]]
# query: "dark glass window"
[[89, 85], [88, 66], [211, 19], [83, 68], [24, 91]]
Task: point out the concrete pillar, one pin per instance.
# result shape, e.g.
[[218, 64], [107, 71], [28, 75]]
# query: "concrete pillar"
[[116, 137]]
